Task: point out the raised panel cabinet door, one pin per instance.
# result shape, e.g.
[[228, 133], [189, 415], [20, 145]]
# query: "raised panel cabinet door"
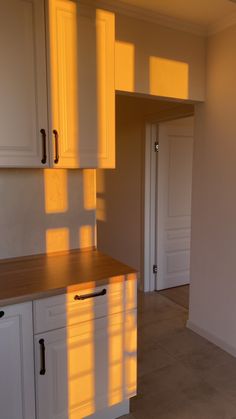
[[82, 93], [23, 95], [17, 398], [87, 370]]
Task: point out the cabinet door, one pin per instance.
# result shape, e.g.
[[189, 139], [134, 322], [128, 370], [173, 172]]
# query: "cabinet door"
[[81, 85], [89, 367], [23, 104], [16, 362]]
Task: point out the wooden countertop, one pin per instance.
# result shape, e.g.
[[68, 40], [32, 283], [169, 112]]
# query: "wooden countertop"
[[29, 278]]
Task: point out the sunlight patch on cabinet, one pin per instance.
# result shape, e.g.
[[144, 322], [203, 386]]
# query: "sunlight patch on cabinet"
[[122, 344], [169, 78], [115, 379], [81, 367], [57, 240], [64, 79], [130, 350], [105, 62], [56, 193], [131, 292], [115, 342], [124, 66]]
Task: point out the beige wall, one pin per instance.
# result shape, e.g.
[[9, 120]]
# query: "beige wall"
[[152, 59], [45, 210], [119, 194], [213, 273]]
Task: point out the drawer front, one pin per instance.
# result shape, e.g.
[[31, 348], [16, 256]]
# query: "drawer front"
[[76, 307]]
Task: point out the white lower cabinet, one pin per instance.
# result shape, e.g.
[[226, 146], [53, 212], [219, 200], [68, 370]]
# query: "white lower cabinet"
[[81, 362], [16, 362], [87, 370]]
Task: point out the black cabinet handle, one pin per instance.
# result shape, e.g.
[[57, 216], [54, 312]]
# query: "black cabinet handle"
[[1, 313], [42, 357], [93, 294], [55, 133], [44, 146]]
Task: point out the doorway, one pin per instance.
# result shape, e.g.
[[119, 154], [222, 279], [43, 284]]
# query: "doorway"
[[168, 185], [126, 195]]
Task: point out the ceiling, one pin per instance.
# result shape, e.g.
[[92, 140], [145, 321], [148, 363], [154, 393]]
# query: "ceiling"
[[200, 12]]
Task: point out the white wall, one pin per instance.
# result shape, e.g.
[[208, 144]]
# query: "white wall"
[[213, 256], [153, 59], [45, 210]]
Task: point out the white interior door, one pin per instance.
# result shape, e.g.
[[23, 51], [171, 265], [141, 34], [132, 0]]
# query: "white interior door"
[[174, 185]]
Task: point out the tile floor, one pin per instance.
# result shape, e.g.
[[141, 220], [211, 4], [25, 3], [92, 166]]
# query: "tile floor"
[[180, 374], [179, 295]]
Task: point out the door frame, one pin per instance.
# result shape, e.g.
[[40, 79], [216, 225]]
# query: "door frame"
[[150, 199]]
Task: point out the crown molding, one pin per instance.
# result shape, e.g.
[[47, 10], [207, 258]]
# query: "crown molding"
[[136, 12], [120, 7], [222, 24]]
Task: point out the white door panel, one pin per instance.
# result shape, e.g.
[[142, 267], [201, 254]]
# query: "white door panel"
[[174, 203]]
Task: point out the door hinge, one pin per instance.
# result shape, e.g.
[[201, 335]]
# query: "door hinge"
[[155, 269], [156, 147]]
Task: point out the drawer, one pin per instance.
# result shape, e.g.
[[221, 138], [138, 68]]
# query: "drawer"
[[76, 307]]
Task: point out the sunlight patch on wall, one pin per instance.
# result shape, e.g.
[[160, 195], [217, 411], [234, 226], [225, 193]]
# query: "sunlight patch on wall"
[[86, 236], [124, 66], [56, 193], [89, 189], [100, 179], [57, 240], [101, 209], [169, 78]]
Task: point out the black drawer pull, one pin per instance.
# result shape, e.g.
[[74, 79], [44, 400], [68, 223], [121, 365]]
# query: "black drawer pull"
[[42, 357], [93, 294], [44, 147], [1, 314]]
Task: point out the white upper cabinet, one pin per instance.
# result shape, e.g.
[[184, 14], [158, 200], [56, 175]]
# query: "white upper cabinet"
[[82, 92], [75, 91], [23, 95]]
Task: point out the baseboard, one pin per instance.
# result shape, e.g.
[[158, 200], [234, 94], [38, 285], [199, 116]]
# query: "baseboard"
[[212, 338], [112, 412]]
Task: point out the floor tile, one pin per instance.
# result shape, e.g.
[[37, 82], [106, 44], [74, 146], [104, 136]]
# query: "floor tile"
[[180, 374]]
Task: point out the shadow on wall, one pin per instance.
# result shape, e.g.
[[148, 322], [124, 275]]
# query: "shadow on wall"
[[46, 211]]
